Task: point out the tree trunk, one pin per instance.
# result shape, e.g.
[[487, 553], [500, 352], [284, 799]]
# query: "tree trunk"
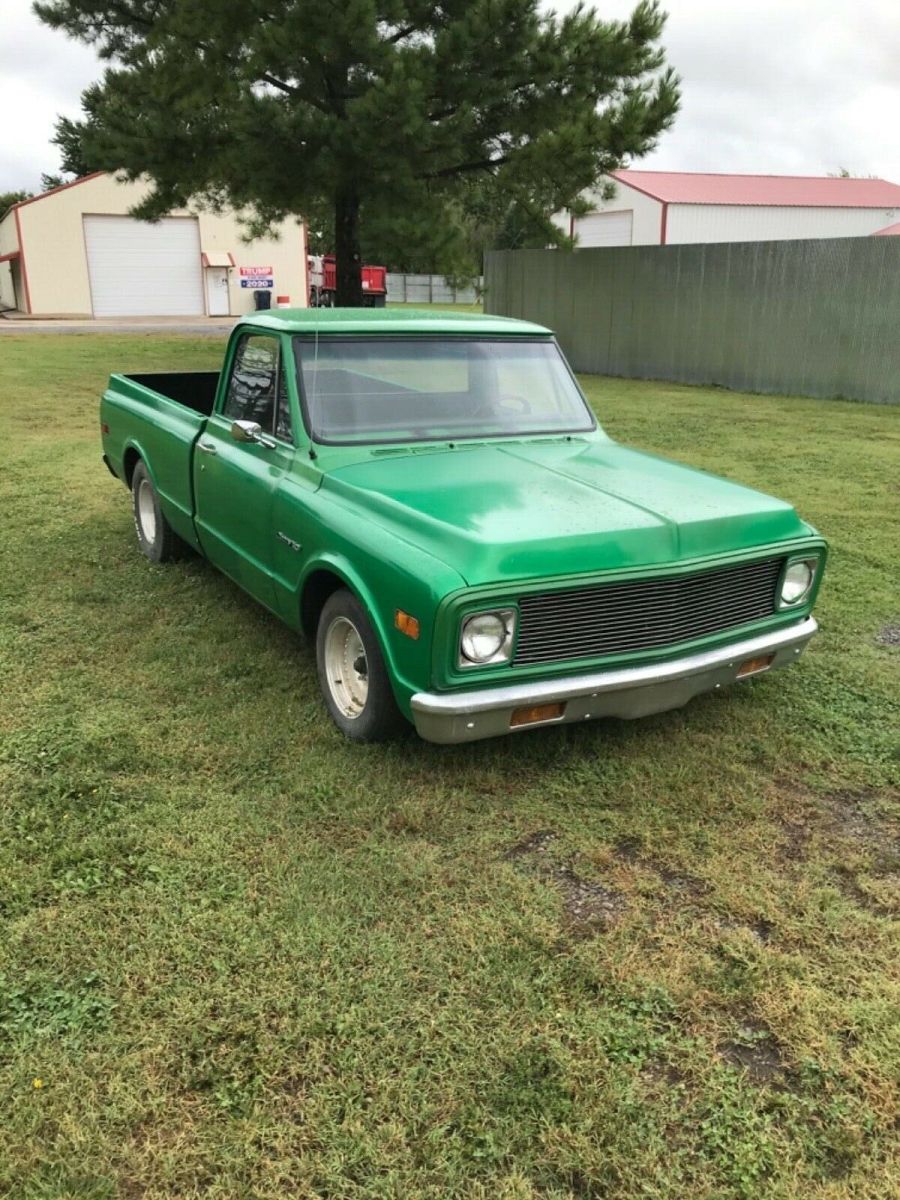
[[346, 248]]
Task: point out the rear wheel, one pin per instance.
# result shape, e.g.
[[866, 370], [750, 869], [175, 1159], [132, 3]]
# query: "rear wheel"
[[352, 674], [155, 535]]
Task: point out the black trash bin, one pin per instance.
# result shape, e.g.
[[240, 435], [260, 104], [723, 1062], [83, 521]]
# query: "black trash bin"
[[262, 298]]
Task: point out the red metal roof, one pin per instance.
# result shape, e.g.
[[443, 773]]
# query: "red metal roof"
[[888, 231], [802, 191]]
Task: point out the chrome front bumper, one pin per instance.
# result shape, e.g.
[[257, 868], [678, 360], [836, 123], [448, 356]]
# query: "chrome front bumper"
[[632, 692]]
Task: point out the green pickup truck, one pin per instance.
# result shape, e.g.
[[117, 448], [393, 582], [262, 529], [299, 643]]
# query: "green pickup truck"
[[430, 497]]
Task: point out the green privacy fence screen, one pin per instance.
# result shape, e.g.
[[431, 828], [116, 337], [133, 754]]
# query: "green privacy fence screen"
[[816, 317]]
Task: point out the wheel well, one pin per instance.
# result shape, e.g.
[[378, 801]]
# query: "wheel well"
[[129, 462], [318, 587]]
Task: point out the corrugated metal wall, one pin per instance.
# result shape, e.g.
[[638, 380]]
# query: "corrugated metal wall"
[[813, 318], [762, 222]]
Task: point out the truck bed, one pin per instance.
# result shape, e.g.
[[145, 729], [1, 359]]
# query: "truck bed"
[[193, 389], [159, 416]]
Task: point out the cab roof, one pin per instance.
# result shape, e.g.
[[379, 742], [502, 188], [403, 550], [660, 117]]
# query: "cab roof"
[[389, 321]]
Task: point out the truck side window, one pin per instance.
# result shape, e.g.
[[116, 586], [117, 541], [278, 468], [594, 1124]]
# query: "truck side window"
[[253, 387], [283, 429]]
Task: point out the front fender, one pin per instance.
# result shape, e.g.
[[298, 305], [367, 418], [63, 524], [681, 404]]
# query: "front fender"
[[385, 567], [383, 587]]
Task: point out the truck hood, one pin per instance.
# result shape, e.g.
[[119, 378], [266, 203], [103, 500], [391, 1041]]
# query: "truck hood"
[[522, 510]]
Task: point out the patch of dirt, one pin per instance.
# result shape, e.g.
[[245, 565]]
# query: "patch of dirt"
[[889, 635], [588, 907], [796, 840], [660, 1076], [629, 849], [760, 930], [755, 1051], [844, 813], [847, 882], [536, 843], [850, 816], [686, 885]]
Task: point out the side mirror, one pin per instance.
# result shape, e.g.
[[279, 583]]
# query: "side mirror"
[[246, 431]]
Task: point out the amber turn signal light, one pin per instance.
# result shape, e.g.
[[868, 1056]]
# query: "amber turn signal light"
[[407, 624], [536, 713], [754, 665]]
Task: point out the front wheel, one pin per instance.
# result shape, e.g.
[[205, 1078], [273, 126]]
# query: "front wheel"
[[352, 674]]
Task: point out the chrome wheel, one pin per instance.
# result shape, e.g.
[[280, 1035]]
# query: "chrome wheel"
[[346, 667], [146, 509]]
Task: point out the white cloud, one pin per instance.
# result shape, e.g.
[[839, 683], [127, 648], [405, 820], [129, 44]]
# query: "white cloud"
[[803, 87], [42, 75]]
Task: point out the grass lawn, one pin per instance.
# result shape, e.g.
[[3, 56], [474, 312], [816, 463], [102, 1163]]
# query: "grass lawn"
[[242, 958]]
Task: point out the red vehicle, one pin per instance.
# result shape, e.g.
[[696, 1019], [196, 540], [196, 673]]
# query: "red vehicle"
[[323, 283]]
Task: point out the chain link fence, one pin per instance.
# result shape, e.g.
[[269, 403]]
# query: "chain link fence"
[[430, 289]]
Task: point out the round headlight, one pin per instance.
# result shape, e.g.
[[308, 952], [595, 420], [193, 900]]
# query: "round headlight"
[[796, 583], [483, 637]]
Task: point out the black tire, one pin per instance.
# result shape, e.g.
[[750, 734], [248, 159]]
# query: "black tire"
[[155, 535], [377, 719]]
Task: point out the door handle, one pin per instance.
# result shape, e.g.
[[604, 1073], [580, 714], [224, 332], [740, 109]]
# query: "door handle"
[[207, 447]]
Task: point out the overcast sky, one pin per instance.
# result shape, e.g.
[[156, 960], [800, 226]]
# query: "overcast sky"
[[772, 86]]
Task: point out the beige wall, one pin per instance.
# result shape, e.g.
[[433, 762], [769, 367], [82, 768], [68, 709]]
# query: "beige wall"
[[56, 262], [8, 238], [646, 212], [286, 256], [8, 243], [7, 288]]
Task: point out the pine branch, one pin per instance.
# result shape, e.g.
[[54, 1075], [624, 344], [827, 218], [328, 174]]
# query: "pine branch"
[[481, 164], [402, 33]]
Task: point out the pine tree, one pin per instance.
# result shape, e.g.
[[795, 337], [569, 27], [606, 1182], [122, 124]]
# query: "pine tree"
[[8, 199], [382, 110]]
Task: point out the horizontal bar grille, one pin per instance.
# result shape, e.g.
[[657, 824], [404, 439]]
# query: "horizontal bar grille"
[[644, 614]]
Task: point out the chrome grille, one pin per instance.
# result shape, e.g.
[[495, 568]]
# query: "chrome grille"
[[643, 614]]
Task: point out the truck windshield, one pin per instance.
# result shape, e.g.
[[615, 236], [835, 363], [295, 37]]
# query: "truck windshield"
[[363, 391]]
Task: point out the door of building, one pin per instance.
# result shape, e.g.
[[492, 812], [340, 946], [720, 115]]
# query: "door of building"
[[604, 229], [218, 302], [141, 269]]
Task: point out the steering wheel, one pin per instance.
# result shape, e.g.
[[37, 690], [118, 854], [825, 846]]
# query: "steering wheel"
[[512, 400], [505, 402]]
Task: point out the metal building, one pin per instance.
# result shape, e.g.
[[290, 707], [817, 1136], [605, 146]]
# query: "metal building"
[[74, 251], [653, 208]]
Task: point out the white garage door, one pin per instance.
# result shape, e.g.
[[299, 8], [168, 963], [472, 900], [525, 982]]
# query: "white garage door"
[[138, 270], [604, 229]]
